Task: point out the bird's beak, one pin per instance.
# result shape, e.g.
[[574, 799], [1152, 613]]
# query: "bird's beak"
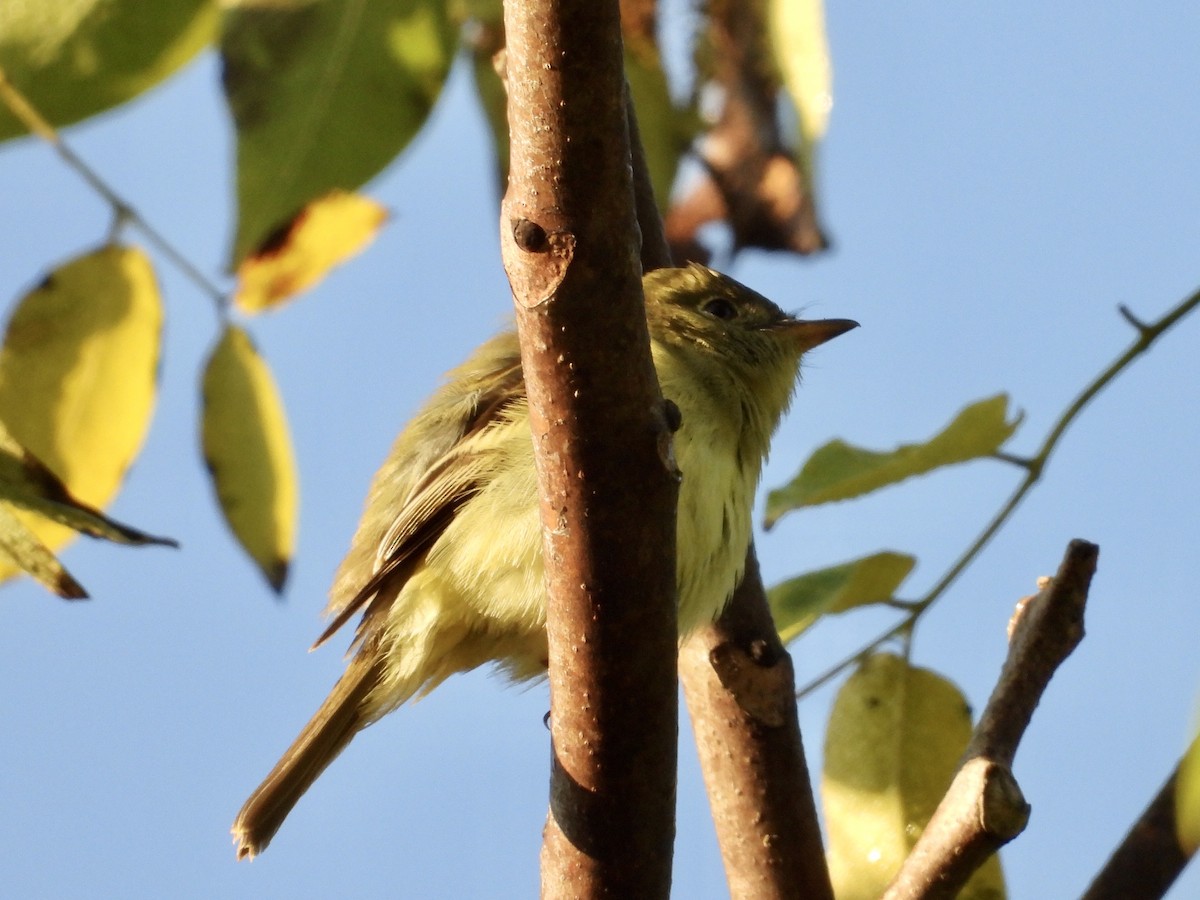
[[813, 333]]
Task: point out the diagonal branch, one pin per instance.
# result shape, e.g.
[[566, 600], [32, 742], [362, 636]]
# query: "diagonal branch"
[[984, 808], [740, 689], [1151, 856], [569, 242]]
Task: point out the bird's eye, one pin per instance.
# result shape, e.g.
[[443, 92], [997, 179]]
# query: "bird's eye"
[[720, 308]]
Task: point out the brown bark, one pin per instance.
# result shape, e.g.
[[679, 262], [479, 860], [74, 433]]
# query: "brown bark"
[[1150, 857], [984, 808], [569, 242], [754, 767], [740, 689]]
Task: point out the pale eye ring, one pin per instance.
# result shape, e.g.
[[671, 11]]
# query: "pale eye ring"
[[720, 308]]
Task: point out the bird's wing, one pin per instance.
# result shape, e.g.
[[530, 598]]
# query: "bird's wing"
[[432, 503]]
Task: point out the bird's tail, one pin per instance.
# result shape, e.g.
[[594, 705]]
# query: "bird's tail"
[[340, 717]]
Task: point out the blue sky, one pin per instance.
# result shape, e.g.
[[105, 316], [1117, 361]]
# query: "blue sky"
[[996, 181]]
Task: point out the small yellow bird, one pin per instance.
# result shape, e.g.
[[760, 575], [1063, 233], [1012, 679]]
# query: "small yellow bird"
[[446, 565]]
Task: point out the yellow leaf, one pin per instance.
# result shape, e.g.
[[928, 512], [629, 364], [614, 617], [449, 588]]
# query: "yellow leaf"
[[802, 54], [1187, 799], [324, 234], [26, 483], [78, 375], [894, 741], [20, 547], [249, 452]]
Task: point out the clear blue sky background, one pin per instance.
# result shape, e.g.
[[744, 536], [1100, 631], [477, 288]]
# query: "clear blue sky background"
[[996, 179]]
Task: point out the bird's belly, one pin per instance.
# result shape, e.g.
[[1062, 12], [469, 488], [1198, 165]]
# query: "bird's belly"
[[713, 533]]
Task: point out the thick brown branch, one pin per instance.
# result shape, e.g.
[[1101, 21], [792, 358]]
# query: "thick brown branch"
[[754, 766], [569, 242], [740, 691], [1150, 858], [984, 808]]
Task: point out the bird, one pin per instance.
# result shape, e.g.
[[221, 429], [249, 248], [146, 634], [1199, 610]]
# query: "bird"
[[445, 566]]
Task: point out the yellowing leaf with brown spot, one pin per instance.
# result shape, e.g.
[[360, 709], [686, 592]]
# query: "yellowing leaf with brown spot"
[[324, 234], [26, 483], [249, 453], [78, 375], [894, 741], [20, 547]]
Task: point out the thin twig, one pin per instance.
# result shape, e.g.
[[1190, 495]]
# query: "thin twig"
[[123, 211], [1036, 465], [984, 808]]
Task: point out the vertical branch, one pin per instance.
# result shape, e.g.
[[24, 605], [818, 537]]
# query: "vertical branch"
[[569, 242], [740, 689], [753, 758]]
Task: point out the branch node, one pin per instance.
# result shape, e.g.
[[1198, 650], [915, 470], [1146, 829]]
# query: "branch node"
[[1014, 622], [672, 414], [669, 418], [529, 236], [755, 680], [1127, 314], [1003, 810], [1023, 462]]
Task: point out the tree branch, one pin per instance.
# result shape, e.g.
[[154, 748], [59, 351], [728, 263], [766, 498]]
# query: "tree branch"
[[568, 238], [984, 808], [740, 689], [754, 766], [655, 251], [1150, 858]]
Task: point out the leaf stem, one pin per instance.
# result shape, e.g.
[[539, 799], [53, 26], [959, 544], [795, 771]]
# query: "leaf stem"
[[123, 212], [1148, 333]]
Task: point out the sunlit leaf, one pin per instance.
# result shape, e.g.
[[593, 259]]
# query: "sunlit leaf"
[[894, 740], [840, 471], [26, 483], [800, 601], [74, 58], [797, 30], [1187, 800], [21, 550], [326, 233], [78, 375], [249, 453], [324, 95]]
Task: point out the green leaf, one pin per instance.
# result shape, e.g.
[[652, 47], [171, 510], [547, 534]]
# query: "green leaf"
[[840, 471], [324, 94], [486, 38], [800, 601], [664, 134], [74, 58], [248, 449], [895, 737]]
